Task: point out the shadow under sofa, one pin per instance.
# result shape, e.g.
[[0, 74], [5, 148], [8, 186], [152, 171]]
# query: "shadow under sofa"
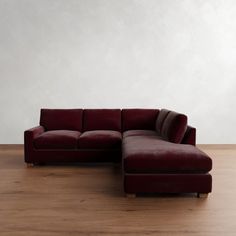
[[156, 147]]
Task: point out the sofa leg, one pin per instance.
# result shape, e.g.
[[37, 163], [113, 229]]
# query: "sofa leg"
[[130, 195], [202, 195], [29, 165]]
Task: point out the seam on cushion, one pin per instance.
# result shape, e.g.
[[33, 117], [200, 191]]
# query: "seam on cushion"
[[161, 125], [168, 112]]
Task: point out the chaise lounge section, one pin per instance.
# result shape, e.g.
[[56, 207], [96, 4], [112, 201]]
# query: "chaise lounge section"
[[156, 147], [155, 165], [159, 162]]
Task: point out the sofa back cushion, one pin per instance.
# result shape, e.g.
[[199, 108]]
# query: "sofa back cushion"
[[174, 127], [139, 119], [102, 119], [61, 119], [160, 119]]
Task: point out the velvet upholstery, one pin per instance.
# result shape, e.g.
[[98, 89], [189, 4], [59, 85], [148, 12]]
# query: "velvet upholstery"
[[100, 139], [160, 120], [147, 154], [190, 136], [174, 127], [102, 119], [29, 136], [57, 139], [61, 119], [61, 156], [167, 183], [133, 119], [139, 133], [153, 158]]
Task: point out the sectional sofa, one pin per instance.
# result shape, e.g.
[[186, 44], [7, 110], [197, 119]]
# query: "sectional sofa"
[[156, 147]]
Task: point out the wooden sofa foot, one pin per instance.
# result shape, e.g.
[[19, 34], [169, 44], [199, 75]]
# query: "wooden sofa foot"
[[130, 195], [202, 195], [29, 165]]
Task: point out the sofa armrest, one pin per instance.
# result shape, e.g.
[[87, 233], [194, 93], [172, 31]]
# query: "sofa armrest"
[[34, 132], [189, 136], [29, 136]]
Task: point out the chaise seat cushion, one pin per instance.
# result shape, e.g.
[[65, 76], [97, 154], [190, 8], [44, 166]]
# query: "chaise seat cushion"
[[139, 132], [148, 154], [57, 139], [100, 139]]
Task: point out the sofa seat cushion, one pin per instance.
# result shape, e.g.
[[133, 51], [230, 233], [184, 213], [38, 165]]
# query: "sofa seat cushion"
[[148, 154], [57, 139], [100, 139], [139, 133]]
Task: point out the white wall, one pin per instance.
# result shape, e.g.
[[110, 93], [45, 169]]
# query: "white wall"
[[176, 54]]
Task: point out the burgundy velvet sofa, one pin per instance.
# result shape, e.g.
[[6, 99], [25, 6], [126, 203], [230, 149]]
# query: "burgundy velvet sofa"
[[75, 135], [156, 147]]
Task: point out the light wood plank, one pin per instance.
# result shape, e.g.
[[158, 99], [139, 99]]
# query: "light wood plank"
[[29, 165], [129, 195]]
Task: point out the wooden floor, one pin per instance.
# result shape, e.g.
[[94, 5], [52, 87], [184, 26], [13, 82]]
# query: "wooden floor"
[[89, 200]]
